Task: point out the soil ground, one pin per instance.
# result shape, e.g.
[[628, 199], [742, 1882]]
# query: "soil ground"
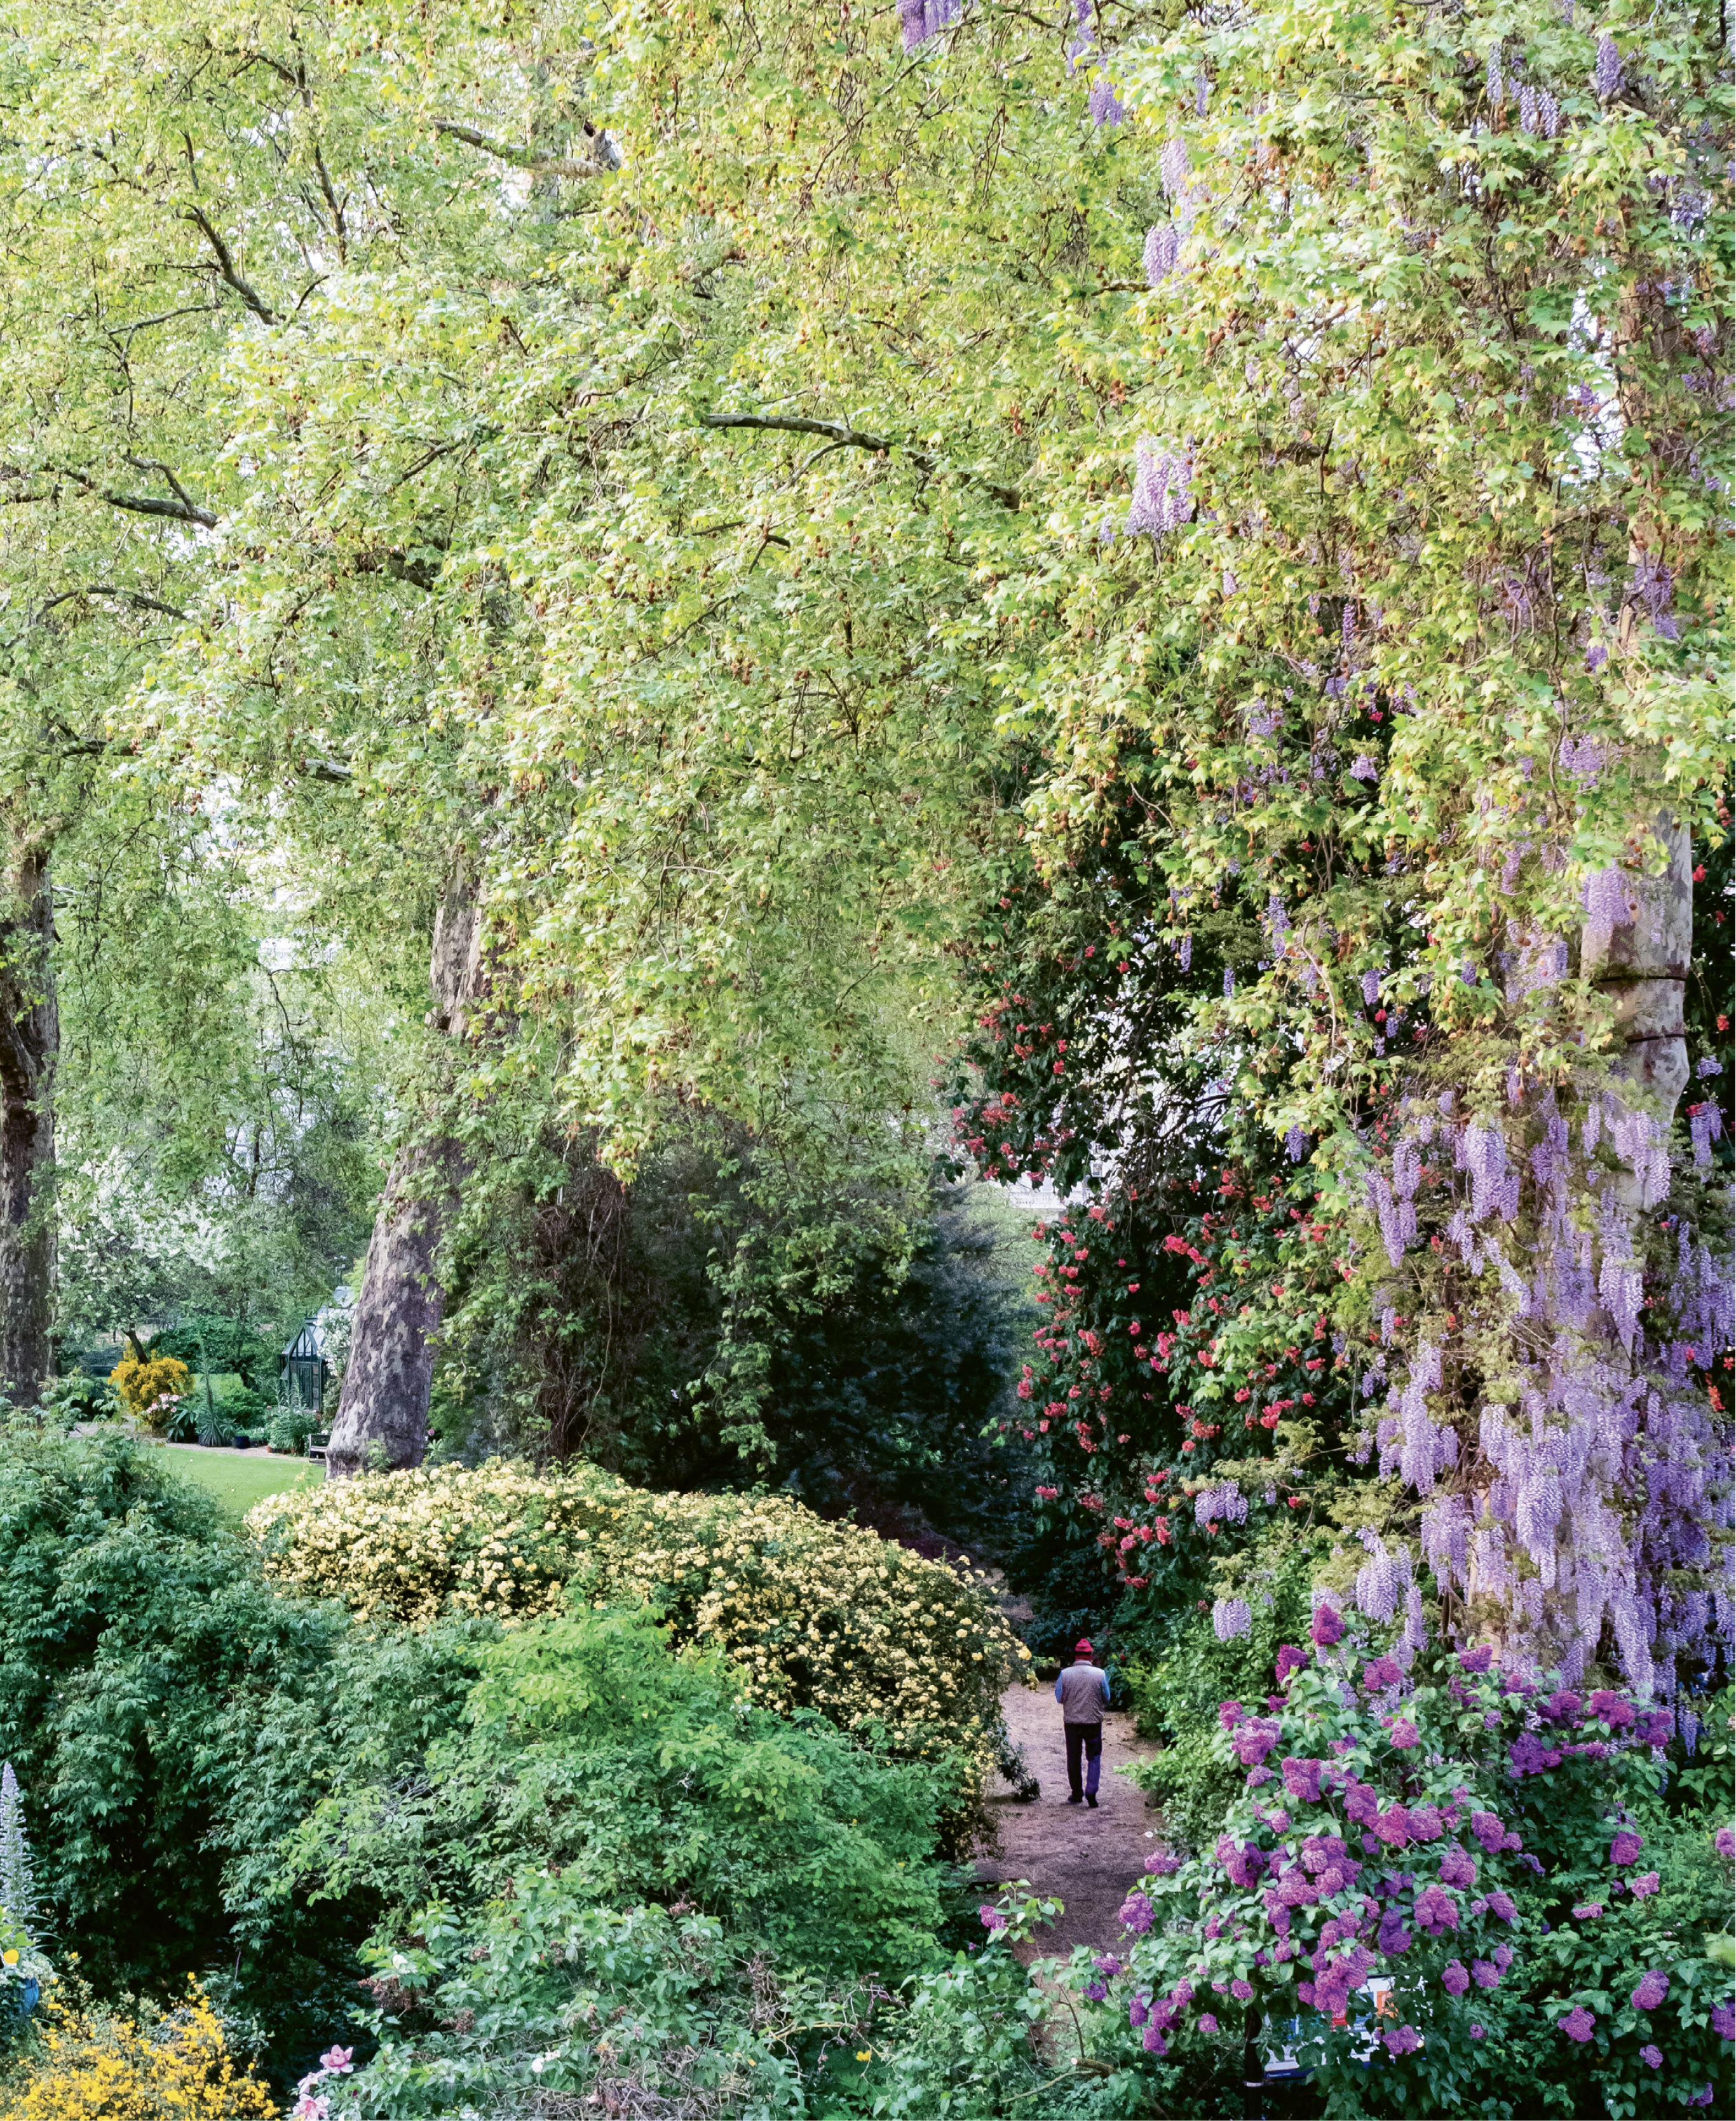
[[1085, 1859]]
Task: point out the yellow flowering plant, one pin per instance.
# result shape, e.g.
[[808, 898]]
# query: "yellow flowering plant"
[[910, 1656], [150, 1388], [90, 2064]]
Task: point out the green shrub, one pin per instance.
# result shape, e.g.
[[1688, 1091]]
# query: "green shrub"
[[132, 1629], [589, 1747], [289, 1428], [215, 1426]]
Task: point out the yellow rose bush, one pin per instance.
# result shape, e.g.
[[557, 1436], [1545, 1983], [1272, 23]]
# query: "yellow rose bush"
[[92, 2065], [909, 1655]]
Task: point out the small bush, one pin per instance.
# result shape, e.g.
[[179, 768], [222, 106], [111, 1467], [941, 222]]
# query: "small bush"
[[215, 1426], [91, 2064], [588, 1748], [152, 1388], [907, 1654], [289, 1429]]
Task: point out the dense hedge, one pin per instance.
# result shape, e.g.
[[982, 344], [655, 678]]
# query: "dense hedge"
[[910, 1655]]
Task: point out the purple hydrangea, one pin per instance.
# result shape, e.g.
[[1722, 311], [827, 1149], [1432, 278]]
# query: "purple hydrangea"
[[1405, 2040], [1404, 1735], [1651, 2057], [1486, 1974], [1577, 2023], [1626, 1847], [1327, 1627], [1653, 1987], [1453, 1978], [1644, 1885]]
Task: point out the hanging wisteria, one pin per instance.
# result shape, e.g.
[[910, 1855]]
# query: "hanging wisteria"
[[1555, 1422]]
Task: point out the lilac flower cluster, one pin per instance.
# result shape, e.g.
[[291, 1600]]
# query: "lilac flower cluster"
[[1384, 1857]]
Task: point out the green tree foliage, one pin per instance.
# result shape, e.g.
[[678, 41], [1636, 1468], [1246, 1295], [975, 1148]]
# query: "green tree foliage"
[[717, 542], [730, 1316], [212, 1144]]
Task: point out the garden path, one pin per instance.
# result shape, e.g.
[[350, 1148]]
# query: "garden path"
[[1085, 1859]]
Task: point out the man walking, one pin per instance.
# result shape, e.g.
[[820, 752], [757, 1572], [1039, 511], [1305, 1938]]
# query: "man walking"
[[1083, 1692]]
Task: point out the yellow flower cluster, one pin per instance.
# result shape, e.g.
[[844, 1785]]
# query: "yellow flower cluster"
[[152, 1385], [91, 2066], [911, 1655]]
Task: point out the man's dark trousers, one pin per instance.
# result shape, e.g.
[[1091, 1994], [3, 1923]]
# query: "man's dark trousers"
[[1090, 1737]]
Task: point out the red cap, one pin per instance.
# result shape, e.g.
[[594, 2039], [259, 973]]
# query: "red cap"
[[1082, 1649]]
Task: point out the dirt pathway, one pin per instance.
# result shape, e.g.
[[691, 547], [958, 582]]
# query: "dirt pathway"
[[1085, 1859]]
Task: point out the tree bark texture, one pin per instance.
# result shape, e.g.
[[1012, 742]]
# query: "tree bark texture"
[[383, 1409], [30, 1043], [1643, 967]]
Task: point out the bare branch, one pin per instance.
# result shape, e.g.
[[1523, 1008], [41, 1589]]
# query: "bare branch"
[[180, 510], [225, 270], [521, 158], [136, 597], [843, 436]]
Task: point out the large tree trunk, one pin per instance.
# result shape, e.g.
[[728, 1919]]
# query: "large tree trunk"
[[383, 1412], [1642, 965], [30, 1042]]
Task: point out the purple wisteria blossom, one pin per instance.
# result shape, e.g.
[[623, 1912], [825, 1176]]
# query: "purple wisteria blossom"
[[1163, 489]]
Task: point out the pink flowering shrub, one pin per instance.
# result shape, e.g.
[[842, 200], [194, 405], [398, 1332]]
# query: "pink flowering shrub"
[[1451, 1851]]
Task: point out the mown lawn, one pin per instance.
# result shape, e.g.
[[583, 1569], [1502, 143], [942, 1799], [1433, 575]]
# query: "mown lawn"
[[238, 1478]]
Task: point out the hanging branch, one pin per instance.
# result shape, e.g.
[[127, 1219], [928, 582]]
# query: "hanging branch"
[[843, 436], [225, 269], [523, 158]]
